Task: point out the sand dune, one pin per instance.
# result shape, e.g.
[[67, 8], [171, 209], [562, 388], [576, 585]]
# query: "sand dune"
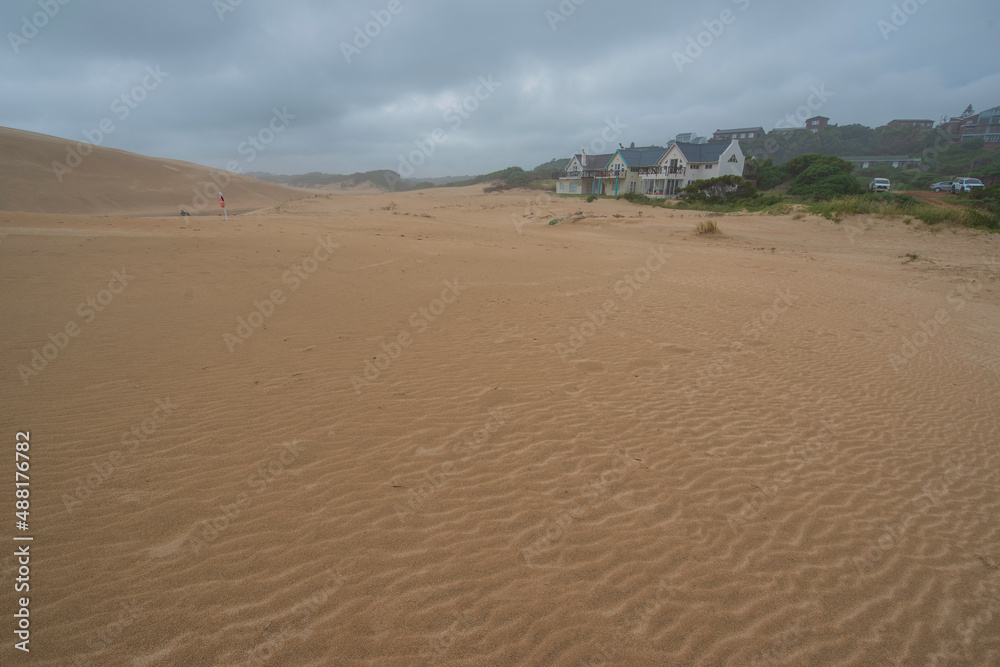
[[43, 174], [430, 428]]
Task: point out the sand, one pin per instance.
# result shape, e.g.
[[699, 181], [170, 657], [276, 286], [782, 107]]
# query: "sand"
[[40, 173], [454, 434]]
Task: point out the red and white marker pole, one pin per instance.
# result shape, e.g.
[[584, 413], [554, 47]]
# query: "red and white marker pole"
[[222, 203]]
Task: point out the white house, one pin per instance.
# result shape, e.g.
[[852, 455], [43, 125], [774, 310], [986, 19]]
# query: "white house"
[[583, 175], [685, 163]]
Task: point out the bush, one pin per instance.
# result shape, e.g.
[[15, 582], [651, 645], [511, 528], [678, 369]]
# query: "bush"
[[783, 208], [719, 190], [886, 203], [637, 198], [706, 227], [591, 198], [987, 199], [765, 172], [822, 177], [827, 187], [803, 163]]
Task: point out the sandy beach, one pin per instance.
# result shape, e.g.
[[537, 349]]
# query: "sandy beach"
[[431, 428]]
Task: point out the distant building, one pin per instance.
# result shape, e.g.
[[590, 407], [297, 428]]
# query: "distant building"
[[897, 161], [907, 122], [952, 127], [817, 123], [738, 134], [985, 125], [690, 138]]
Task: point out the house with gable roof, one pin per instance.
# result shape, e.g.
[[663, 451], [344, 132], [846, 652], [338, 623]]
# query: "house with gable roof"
[[685, 163], [582, 175], [627, 166]]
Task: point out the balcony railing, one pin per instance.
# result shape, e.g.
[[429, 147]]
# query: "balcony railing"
[[595, 173], [662, 171]]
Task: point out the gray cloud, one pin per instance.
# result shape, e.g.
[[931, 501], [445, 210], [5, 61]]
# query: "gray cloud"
[[560, 79]]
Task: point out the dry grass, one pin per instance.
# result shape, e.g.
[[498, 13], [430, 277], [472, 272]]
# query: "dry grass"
[[706, 227]]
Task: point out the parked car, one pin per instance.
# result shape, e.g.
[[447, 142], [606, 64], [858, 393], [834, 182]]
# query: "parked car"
[[879, 185], [966, 185], [941, 186]]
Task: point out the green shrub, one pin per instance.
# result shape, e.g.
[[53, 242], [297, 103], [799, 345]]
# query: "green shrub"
[[637, 198], [887, 203], [719, 190], [591, 198], [803, 163], [827, 187]]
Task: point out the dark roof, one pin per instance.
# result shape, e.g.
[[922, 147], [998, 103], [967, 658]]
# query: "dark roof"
[[598, 161], [710, 152], [911, 120], [879, 158], [740, 129], [641, 157]]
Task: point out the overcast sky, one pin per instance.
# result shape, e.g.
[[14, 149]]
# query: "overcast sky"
[[199, 77]]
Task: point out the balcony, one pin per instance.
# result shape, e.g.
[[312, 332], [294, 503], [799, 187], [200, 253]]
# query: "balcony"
[[595, 173], [662, 171]]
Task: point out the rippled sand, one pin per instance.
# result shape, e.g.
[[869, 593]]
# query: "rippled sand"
[[455, 434]]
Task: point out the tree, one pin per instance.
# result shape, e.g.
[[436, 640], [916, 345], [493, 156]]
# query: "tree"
[[766, 173], [800, 164], [821, 176]]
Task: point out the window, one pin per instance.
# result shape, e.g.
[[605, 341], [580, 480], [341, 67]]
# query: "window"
[[743, 135], [695, 166], [631, 186], [733, 159]]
